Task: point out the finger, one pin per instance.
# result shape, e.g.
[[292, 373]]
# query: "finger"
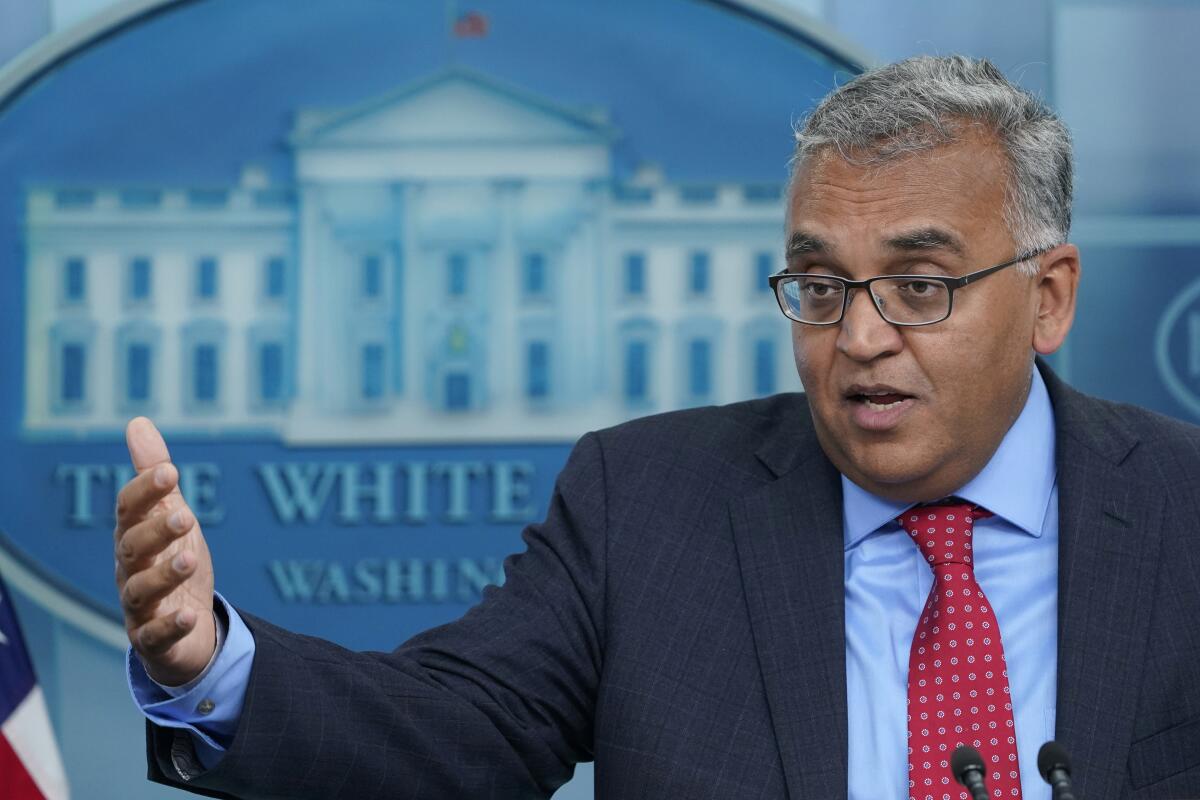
[[161, 633], [138, 497], [137, 548], [146, 446], [143, 590]]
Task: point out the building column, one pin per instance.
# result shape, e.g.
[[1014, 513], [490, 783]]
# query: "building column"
[[506, 356]]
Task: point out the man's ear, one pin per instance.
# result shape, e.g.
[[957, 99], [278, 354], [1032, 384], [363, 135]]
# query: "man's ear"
[[1057, 287]]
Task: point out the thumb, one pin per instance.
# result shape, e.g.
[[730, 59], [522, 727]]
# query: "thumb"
[[146, 446]]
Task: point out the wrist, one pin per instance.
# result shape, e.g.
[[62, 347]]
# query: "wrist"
[[176, 682]]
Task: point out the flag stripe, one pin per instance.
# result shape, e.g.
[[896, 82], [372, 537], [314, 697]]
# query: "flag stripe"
[[30, 767], [28, 732], [15, 783]]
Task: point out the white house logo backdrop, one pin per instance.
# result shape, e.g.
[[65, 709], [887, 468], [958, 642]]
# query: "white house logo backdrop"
[[373, 267]]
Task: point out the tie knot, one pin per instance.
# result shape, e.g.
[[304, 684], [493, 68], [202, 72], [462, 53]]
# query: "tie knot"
[[943, 531]]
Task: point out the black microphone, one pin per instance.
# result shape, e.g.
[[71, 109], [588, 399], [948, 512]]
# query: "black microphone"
[[1056, 770], [968, 769]]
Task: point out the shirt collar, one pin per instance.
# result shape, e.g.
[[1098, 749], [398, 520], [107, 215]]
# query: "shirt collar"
[[1016, 483]]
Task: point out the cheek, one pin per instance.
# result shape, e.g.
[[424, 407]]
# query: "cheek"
[[1010, 349], [974, 375], [801, 355], [813, 352]]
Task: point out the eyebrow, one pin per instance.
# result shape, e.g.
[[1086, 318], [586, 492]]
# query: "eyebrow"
[[919, 240], [801, 243], [924, 239]]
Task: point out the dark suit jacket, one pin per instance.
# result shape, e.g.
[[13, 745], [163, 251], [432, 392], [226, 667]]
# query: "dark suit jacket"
[[678, 618]]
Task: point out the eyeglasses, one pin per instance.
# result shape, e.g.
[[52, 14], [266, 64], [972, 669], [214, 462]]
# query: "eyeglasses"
[[901, 299]]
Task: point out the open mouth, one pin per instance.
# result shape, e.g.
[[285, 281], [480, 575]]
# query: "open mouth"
[[878, 407], [880, 401]]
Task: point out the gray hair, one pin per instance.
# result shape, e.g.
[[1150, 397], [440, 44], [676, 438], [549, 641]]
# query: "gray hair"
[[927, 101]]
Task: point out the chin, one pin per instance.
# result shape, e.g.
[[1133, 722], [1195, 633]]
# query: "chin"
[[893, 467]]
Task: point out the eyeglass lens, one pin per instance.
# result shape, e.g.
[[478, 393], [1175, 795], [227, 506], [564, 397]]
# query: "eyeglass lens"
[[904, 300]]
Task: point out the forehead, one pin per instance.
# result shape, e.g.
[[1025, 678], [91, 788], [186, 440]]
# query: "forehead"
[[956, 188]]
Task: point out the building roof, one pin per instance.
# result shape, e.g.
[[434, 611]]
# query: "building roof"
[[454, 104]]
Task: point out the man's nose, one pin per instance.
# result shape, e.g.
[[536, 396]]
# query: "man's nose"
[[865, 335]]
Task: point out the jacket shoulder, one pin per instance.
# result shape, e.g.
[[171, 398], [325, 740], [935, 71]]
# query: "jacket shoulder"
[[1171, 445], [1162, 451], [1121, 430], [1155, 431], [709, 439]]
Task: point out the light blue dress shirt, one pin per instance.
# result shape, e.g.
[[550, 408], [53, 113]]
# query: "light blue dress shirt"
[[887, 583], [209, 706]]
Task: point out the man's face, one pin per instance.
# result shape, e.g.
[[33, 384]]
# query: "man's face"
[[912, 413]]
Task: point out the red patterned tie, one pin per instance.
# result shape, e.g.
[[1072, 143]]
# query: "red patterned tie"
[[957, 680]]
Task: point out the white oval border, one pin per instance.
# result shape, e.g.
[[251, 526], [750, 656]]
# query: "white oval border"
[[1162, 352], [29, 65]]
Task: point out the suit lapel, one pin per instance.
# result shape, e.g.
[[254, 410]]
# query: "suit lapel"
[[790, 551], [1110, 518]]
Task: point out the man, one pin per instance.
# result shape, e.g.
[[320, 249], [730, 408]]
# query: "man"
[[815, 595]]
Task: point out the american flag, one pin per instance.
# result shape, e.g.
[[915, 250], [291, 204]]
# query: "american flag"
[[30, 768], [471, 25]]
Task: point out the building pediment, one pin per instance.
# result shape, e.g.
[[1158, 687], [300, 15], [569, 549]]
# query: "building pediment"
[[454, 106]]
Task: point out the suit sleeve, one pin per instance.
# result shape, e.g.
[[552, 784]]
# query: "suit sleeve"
[[497, 704]]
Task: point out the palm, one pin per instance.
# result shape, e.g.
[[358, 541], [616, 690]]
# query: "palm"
[[196, 591], [173, 647]]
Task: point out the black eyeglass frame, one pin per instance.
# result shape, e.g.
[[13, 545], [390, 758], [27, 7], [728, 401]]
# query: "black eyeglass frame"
[[950, 283]]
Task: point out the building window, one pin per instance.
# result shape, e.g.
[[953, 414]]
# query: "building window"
[[533, 276], [134, 358], [140, 278], [202, 358], [74, 373], [74, 198], [456, 268], [764, 367], [698, 273], [75, 280], [458, 391], [537, 370], [372, 371], [140, 199], [698, 195], [137, 372], [634, 278], [372, 277], [207, 198], [270, 372], [699, 368], [276, 278], [205, 373], [636, 372], [764, 267], [206, 278]]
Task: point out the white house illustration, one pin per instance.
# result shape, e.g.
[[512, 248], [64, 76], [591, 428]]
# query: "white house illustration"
[[454, 262]]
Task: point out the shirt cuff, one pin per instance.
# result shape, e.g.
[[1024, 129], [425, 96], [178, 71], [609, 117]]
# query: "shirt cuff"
[[210, 705]]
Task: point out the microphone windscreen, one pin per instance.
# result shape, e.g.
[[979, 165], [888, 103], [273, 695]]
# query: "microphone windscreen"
[[965, 759], [1052, 756]]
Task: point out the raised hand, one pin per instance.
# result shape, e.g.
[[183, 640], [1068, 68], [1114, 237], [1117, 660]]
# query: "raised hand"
[[163, 568]]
